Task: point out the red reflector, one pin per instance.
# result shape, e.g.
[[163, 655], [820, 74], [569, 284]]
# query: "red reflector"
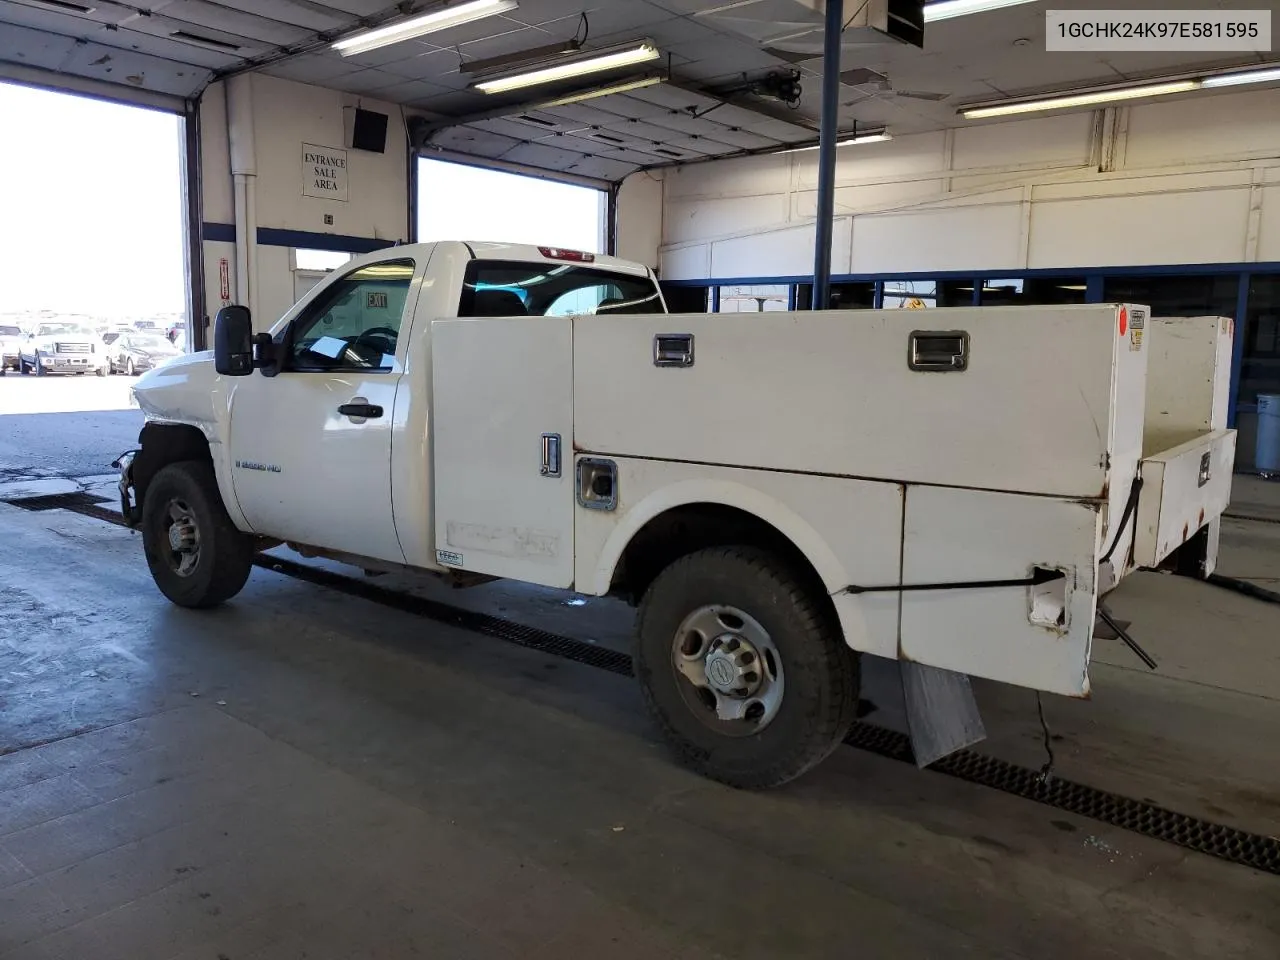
[[1124, 321], [576, 256]]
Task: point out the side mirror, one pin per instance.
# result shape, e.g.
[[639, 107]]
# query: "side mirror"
[[233, 342], [265, 355]]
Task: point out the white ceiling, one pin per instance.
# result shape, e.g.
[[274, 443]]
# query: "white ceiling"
[[176, 47]]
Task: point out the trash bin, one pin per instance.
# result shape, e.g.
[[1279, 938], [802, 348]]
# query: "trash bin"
[[1267, 455]]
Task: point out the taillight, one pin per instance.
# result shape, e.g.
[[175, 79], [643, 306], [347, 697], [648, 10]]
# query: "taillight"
[[574, 256]]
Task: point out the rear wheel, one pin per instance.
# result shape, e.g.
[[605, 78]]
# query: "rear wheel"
[[744, 667], [196, 555]]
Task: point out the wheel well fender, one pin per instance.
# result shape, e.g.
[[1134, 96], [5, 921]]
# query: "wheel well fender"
[[691, 515], [162, 444]]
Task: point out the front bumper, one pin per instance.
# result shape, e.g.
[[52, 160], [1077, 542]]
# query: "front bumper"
[[69, 363], [129, 507]]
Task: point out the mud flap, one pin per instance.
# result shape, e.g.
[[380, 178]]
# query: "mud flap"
[[942, 714]]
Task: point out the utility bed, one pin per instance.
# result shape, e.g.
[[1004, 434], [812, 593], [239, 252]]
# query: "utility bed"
[[984, 475]]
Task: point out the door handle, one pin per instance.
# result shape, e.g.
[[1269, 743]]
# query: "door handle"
[[359, 410]]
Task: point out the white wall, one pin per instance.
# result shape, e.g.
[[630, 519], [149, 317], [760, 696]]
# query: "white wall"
[[1191, 181], [640, 209], [284, 116]]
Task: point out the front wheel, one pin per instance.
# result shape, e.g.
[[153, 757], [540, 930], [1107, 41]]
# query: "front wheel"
[[128, 367], [743, 665], [101, 371], [40, 370], [196, 555]]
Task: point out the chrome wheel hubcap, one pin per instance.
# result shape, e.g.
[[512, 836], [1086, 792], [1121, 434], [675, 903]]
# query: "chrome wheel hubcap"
[[729, 671]]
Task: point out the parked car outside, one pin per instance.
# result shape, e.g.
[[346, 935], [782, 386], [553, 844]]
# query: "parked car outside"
[[10, 347], [133, 353], [62, 346]]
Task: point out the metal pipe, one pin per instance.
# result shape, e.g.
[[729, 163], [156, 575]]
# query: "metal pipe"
[[244, 169], [240, 187], [827, 155]]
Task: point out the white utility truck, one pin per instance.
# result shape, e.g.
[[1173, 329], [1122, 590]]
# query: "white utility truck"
[[777, 493]]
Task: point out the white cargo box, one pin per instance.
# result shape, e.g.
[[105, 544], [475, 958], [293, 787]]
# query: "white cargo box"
[[1188, 452], [1041, 400], [963, 481]]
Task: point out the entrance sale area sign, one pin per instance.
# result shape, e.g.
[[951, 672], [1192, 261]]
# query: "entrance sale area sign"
[[324, 172]]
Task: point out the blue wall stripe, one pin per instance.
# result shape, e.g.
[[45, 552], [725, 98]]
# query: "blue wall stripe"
[[275, 237], [218, 232]]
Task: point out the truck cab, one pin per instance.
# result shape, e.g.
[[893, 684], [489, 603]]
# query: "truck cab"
[[777, 493]]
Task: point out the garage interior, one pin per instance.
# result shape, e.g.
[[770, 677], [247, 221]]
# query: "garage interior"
[[336, 765]]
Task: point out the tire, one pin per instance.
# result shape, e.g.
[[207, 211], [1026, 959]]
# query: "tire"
[[224, 555], [40, 371], [128, 368], [100, 372], [820, 675], [22, 367]]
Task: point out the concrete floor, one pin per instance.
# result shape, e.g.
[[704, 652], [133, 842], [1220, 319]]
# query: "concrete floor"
[[64, 426], [304, 774]]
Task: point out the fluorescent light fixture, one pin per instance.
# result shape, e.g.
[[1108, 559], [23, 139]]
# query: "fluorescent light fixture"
[[878, 137], [600, 92], [946, 9], [441, 19], [1067, 101], [1248, 76], [626, 56]]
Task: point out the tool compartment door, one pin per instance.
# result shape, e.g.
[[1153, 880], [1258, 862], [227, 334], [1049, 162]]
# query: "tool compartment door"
[[1183, 488], [1032, 636], [502, 401]]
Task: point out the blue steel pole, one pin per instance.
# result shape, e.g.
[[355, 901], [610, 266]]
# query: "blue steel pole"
[[827, 155]]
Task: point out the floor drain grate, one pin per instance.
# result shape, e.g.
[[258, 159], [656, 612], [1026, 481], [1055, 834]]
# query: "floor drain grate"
[[58, 501], [1214, 839]]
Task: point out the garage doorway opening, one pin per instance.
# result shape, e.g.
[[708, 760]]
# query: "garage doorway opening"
[[460, 202], [93, 274]]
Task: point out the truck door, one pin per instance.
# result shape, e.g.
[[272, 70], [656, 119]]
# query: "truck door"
[[311, 446], [503, 432]]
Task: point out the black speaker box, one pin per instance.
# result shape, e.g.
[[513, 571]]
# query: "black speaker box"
[[369, 132]]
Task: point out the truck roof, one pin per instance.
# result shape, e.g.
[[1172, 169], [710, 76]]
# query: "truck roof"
[[490, 250]]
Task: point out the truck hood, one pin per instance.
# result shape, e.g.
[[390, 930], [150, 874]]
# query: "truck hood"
[[185, 389]]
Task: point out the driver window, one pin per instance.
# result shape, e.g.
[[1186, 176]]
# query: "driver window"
[[355, 324]]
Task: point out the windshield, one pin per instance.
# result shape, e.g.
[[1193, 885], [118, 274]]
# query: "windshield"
[[500, 288], [152, 343], [53, 329], [10, 332]]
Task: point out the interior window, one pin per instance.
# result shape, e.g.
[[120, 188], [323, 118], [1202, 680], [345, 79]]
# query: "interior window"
[[760, 298], [1011, 291], [910, 294], [355, 323]]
